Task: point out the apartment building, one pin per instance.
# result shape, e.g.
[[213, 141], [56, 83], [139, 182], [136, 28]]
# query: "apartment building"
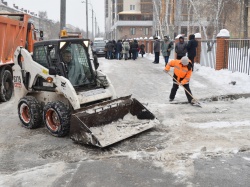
[[126, 19]]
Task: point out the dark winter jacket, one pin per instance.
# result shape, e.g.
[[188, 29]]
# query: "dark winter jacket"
[[157, 45], [119, 46], [134, 46], [191, 46], [110, 46], [142, 48], [181, 47]]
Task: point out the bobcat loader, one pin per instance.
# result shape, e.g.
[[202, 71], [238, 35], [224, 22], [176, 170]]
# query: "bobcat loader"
[[70, 96]]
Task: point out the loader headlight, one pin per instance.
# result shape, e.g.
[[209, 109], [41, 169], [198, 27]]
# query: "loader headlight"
[[49, 79]]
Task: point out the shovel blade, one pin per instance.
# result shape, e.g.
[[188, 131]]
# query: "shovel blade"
[[110, 122]]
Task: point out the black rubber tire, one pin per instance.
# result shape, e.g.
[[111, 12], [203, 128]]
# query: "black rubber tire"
[[6, 85], [56, 117], [30, 112]]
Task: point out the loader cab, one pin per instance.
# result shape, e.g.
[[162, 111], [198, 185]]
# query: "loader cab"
[[68, 58]]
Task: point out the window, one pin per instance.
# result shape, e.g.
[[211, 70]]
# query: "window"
[[39, 56], [76, 60], [132, 7], [145, 31], [132, 31]]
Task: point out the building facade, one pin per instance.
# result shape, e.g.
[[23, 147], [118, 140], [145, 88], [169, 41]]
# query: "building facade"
[[127, 19]]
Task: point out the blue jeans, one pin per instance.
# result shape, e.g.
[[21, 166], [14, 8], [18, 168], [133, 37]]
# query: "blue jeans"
[[166, 59], [109, 54], [117, 55]]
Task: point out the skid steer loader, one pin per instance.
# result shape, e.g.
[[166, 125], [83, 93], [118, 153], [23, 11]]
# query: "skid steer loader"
[[59, 85]]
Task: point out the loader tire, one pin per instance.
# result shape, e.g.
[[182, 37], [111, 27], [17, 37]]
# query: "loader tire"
[[30, 112], [6, 85], [56, 117]]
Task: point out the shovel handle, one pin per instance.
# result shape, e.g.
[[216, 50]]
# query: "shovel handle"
[[182, 86]]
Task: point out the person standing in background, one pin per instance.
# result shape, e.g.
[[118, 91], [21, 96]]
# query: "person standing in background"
[[134, 49], [157, 46], [191, 49], [142, 49], [125, 49], [166, 47], [181, 48], [118, 50]]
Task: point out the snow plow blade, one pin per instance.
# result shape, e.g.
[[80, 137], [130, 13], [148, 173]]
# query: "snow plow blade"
[[109, 122]]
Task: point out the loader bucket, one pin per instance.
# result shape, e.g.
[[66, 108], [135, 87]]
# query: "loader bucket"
[[109, 122]]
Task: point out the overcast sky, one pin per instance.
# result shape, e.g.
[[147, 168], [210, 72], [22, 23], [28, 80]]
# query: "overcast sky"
[[76, 10]]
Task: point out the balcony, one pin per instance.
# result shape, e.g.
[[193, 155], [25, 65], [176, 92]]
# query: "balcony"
[[133, 23]]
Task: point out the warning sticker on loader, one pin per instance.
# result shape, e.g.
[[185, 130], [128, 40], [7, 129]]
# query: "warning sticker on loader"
[[45, 71]]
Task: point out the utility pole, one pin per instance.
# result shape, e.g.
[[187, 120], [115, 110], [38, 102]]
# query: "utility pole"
[[87, 24], [93, 24], [63, 15]]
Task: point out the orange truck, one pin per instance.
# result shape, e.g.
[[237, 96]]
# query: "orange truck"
[[15, 30]]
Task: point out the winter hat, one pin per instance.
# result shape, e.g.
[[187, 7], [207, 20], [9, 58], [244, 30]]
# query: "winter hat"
[[166, 37], [184, 60]]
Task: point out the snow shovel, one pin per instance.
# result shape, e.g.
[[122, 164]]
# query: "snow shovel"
[[194, 101]]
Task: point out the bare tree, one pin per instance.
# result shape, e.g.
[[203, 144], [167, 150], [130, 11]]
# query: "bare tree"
[[245, 18], [213, 15]]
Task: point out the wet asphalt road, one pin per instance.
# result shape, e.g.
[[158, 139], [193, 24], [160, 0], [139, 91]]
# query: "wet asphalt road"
[[229, 171]]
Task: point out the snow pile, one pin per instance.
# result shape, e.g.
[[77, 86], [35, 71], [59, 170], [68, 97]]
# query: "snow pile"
[[121, 129]]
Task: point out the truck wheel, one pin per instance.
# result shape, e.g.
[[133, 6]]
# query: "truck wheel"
[[56, 117], [30, 112], [6, 85]]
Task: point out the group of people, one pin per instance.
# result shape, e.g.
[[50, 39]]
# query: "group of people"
[[181, 48], [127, 49]]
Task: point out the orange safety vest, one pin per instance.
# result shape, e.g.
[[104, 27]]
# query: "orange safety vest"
[[182, 73]]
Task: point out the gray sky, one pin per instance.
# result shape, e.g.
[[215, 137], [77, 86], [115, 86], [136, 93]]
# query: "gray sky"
[[76, 11]]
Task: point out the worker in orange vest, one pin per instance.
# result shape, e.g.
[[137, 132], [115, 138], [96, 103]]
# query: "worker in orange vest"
[[182, 74]]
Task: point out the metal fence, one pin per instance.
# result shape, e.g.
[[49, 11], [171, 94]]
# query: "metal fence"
[[238, 54], [208, 53]]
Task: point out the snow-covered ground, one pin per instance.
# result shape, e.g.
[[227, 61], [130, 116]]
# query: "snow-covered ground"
[[219, 127], [185, 132]]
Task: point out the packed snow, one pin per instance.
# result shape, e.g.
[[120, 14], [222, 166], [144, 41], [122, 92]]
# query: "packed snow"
[[121, 129], [184, 132], [218, 128]]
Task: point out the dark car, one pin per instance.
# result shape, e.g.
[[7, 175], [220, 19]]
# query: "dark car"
[[98, 48]]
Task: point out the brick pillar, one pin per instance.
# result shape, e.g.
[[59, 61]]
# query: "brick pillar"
[[198, 49], [175, 42], [222, 50], [150, 46], [146, 47]]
